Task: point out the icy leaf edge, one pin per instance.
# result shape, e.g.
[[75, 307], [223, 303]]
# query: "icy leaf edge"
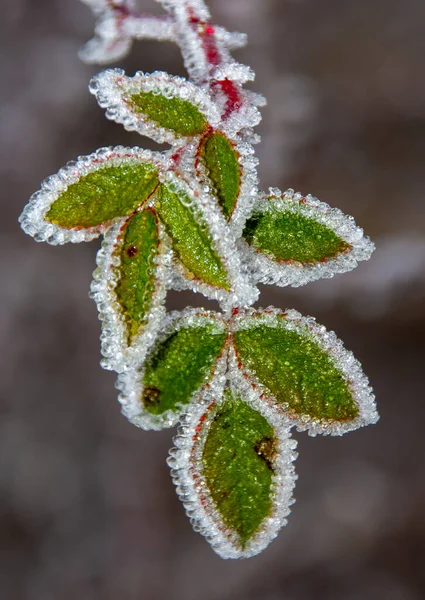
[[113, 91], [118, 354], [185, 460], [327, 341], [130, 382], [263, 269], [221, 238], [33, 220]]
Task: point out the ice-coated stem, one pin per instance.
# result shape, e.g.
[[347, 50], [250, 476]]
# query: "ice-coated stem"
[[205, 51], [204, 46]]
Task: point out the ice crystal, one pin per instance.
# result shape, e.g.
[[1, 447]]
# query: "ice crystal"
[[192, 217]]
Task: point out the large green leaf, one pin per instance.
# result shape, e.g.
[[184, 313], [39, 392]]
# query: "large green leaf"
[[137, 252], [296, 370], [190, 237], [288, 234], [238, 464], [102, 195], [180, 364], [221, 161]]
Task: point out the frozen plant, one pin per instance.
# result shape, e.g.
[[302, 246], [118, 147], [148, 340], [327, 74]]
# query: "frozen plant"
[[192, 217]]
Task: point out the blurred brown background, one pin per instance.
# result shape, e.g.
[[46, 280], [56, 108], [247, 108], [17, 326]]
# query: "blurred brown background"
[[87, 508]]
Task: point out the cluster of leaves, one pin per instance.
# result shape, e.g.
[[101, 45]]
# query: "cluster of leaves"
[[192, 218]]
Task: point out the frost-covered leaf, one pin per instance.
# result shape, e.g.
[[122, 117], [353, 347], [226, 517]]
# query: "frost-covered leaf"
[[219, 157], [189, 350], [291, 240], [100, 196], [137, 270], [191, 237], [304, 371], [160, 106], [238, 460], [129, 288], [206, 259], [233, 469], [82, 199]]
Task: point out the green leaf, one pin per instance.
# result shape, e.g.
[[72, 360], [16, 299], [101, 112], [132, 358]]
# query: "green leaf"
[[180, 364], [292, 366], [180, 116], [288, 235], [158, 105], [100, 196], [221, 161], [238, 464], [190, 237], [232, 465], [292, 240], [137, 253]]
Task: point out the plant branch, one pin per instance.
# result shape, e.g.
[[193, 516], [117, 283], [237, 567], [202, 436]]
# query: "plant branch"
[[204, 46]]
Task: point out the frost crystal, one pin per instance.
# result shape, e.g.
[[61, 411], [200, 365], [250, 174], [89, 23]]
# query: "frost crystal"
[[192, 217]]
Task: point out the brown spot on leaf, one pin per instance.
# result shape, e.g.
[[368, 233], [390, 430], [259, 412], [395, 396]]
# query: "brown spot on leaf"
[[151, 396], [132, 251], [224, 494], [266, 449]]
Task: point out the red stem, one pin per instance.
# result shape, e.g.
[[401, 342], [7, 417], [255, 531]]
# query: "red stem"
[[206, 33]]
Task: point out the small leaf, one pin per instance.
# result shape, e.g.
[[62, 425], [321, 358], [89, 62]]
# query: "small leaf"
[[294, 240], [158, 105], [82, 200], [129, 288], [179, 365], [181, 362], [190, 237], [233, 468], [221, 161], [306, 372], [101, 196], [180, 116], [137, 271]]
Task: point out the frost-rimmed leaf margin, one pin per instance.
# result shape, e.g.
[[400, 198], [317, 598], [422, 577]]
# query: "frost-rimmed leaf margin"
[[118, 355], [185, 462], [33, 220], [111, 86], [265, 270], [248, 192], [248, 189], [242, 292], [344, 360], [130, 382], [218, 166]]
